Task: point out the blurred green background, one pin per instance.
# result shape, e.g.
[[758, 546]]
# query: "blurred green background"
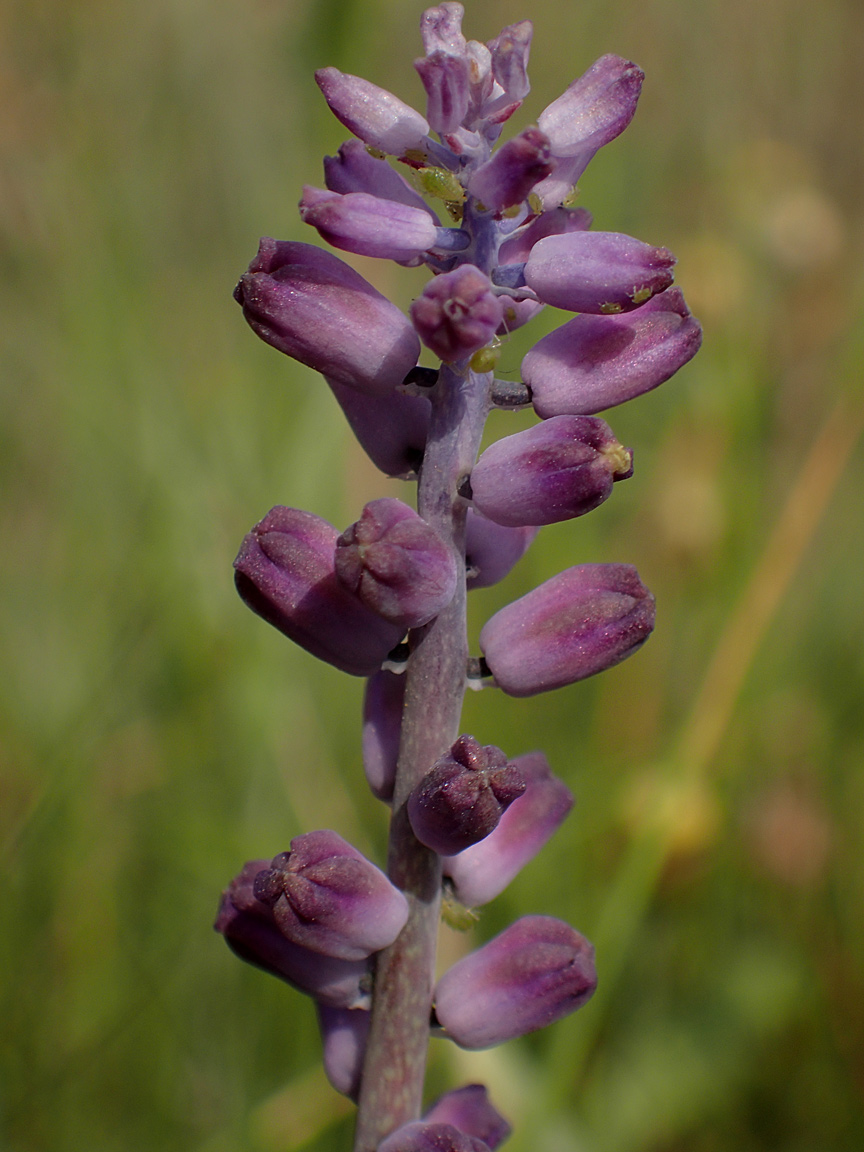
[[156, 734]]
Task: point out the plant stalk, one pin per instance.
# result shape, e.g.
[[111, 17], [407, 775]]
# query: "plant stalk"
[[391, 1092]]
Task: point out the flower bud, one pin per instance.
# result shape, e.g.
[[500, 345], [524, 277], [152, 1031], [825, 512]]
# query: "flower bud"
[[582, 621], [285, 573], [329, 898], [310, 305], [461, 799], [535, 972], [470, 1110], [354, 169], [602, 272], [517, 248], [396, 564], [594, 110], [378, 117], [419, 1136], [484, 870], [251, 932], [510, 50], [491, 550], [508, 177], [554, 471], [595, 362], [391, 429], [447, 80], [368, 225], [457, 313], [441, 29], [344, 1034], [382, 729]]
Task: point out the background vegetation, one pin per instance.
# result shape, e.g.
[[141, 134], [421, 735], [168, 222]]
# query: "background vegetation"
[[156, 734]]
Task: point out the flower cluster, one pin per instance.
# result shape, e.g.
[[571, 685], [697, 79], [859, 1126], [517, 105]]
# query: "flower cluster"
[[385, 599]]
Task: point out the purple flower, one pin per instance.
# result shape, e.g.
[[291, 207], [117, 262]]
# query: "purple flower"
[[595, 362], [470, 1110], [507, 179], [368, 225], [355, 170], [457, 313], [557, 222], [447, 80], [554, 471], [594, 110], [535, 972], [396, 564], [378, 117], [461, 798], [421, 1136], [602, 272], [484, 870], [313, 307], [344, 1033], [392, 429], [491, 550], [327, 897], [285, 573], [382, 726], [582, 621], [251, 932]]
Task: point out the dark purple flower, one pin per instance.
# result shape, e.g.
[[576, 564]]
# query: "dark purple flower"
[[582, 621], [344, 1033], [535, 972], [285, 573], [470, 1110], [554, 471], [382, 728], [508, 177], [251, 931], [391, 429], [326, 896], [491, 550], [310, 305], [484, 870], [595, 362], [421, 1136], [457, 313], [396, 564], [461, 799]]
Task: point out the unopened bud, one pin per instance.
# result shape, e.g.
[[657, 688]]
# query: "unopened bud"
[[508, 177], [491, 550], [461, 799], [596, 362], [313, 307], [599, 272], [470, 1110], [457, 313], [420, 1136], [378, 117], [484, 870], [251, 932], [368, 225], [382, 728], [535, 972], [285, 572], [554, 471], [580, 622], [391, 429], [326, 896], [396, 564], [343, 1036]]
